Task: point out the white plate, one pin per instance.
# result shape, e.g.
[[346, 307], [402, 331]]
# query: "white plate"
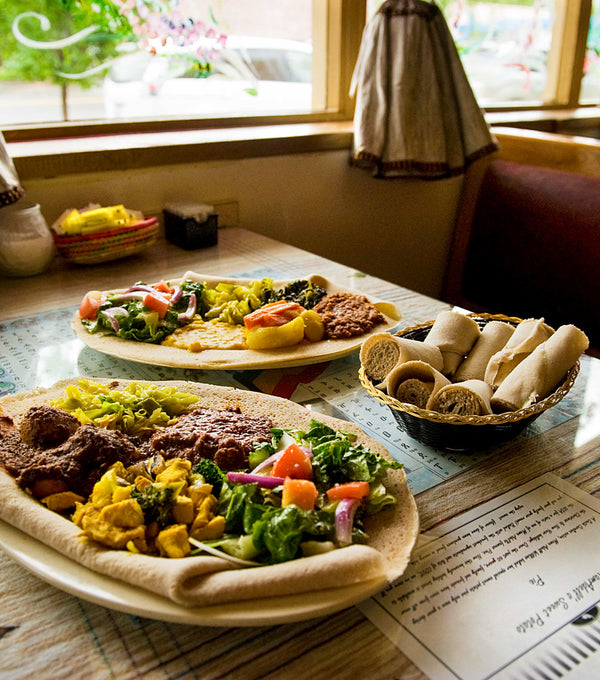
[[73, 578], [300, 355]]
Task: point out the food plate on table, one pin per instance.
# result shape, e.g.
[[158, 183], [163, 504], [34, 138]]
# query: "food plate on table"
[[203, 588], [65, 574], [230, 351]]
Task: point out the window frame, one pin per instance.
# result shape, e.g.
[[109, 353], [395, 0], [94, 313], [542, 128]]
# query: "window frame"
[[337, 33]]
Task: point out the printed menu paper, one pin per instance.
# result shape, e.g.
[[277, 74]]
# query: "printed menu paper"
[[510, 589]]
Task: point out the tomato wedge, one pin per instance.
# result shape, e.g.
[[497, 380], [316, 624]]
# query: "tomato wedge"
[[157, 303], [293, 462], [162, 286], [88, 309], [348, 490], [273, 314]]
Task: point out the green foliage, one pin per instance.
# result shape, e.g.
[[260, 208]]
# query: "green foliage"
[[67, 17]]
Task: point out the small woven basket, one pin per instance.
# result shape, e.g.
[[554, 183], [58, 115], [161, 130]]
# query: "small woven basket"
[[110, 244], [459, 432]]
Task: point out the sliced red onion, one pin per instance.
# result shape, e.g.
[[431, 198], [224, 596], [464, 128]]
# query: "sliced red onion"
[[248, 478], [132, 295], [112, 320], [176, 296], [143, 287], [223, 555], [117, 311], [186, 317], [344, 519], [268, 461]]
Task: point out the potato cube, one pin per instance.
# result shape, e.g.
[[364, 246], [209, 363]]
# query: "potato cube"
[[183, 510], [214, 529], [123, 514], [173, 541], [64, 500]]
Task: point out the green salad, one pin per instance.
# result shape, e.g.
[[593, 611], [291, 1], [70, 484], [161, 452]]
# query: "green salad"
[[149, 313]]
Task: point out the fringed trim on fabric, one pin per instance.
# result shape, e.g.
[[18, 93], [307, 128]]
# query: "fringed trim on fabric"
[[415, 169], [11, 196]]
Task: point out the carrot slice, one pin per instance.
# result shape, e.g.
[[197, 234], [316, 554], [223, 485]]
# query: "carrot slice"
[[348, 490], [299, 492], [273, 314]]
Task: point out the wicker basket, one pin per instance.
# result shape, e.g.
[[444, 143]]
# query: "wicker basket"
[[459, 432], [110, 244]]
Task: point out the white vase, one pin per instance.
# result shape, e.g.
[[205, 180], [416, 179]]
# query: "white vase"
[[26, 243]]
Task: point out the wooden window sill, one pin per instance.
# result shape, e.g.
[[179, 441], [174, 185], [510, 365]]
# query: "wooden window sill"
[[52, 157], [129, 151]]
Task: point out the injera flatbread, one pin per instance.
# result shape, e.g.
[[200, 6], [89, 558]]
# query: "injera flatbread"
[[299, 355], [455, 334], [415, 382], [206, 580], [466, 398], [527, 336], [494, 336], [541, 371], [382, 352]]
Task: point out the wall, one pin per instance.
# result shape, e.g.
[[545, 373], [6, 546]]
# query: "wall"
[[397, 230]]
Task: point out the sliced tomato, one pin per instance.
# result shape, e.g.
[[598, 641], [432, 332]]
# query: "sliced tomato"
[[88, 309], [273, 314], [162, 287], [293, 462], [157, 303], [348, 490]]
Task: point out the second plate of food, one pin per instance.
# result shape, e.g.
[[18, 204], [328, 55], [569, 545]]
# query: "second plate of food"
[[204, 327]]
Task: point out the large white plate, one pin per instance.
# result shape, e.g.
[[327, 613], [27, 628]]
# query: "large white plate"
[[73, 578], [160, 355]]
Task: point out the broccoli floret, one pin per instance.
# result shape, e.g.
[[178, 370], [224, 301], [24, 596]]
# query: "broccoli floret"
[[156, 504], [211, 473]]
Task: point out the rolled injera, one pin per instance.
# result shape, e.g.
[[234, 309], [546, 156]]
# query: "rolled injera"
[[455, 334], [527, 336], [541, 371], [382, 352], [493, 338], [467, 398], [415, 382]]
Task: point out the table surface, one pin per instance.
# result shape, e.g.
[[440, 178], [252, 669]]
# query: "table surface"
[[47, 633]]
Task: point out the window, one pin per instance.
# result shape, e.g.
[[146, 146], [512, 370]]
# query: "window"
[[288, 61], [590, 84], [527, 53], [123, 59]]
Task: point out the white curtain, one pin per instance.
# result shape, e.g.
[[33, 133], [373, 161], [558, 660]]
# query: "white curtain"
[[416, 114], [10, 187]]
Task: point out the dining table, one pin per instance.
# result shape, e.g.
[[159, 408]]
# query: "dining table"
[[52, 628]]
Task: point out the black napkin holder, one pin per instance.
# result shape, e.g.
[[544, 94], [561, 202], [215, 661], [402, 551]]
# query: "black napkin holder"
[[187, 232]]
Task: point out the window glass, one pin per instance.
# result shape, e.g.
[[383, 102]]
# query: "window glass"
[[504, 47], [94, 59], [590, 85]]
